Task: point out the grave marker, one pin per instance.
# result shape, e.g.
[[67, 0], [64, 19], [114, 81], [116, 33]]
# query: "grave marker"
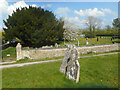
[[70, 65]]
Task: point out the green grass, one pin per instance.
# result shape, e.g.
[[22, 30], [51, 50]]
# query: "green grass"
[[47, 75], [92, 41], [116, 40], [11, 51]]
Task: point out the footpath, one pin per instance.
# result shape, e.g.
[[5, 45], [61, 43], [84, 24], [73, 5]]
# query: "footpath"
[[39, 62]]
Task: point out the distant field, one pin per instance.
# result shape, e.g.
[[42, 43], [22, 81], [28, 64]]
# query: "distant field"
[[95, 72]]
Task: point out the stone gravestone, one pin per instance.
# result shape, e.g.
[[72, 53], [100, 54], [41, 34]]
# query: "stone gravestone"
[[78, 43], [70, 65], [56, 45], [86, 42]]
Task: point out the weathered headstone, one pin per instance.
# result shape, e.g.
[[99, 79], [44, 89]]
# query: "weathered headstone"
[[70, 65]]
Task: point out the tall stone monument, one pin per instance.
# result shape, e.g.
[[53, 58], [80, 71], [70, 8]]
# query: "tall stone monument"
[[19, 51], [70, 65]]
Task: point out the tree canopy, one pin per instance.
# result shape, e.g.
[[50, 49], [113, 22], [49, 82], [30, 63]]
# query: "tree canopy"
[[34, 27], [116, 23]]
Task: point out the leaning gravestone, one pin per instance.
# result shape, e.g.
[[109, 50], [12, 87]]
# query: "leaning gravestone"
[[70, 65]]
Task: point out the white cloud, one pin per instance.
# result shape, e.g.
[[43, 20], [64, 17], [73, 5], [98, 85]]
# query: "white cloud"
[[46, 6], [33, 5], [95, 12], [81, 13], [77, 23], [13, 7], [6, 10], [89, 12], [107, 10], [62, 11]]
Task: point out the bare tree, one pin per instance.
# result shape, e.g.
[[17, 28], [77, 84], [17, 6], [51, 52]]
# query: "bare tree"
[[92, 22]]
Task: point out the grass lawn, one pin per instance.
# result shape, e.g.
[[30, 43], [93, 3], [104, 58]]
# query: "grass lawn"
[[11, 51], [95, 72], [92, 41]]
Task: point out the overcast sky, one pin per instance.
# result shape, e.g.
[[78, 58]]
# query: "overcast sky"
[[74, 12]]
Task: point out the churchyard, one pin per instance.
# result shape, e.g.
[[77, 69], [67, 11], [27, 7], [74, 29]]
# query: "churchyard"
[[42, 49], [95, 72]]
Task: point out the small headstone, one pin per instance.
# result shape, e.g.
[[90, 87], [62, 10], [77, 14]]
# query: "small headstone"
[[86, 42], [56, 45], [97, 39], [94, 51], [77, 43], [70, 65], [111, 39], [8, 55]]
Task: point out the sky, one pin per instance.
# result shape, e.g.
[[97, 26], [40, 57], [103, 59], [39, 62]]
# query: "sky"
[[74, 12]]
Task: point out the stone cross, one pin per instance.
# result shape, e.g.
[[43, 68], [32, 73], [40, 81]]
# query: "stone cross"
[[70, 65]]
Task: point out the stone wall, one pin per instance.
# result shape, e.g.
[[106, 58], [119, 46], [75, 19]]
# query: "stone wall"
[[57, 52]]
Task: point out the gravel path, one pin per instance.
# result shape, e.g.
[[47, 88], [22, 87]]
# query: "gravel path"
[[39, 62]]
